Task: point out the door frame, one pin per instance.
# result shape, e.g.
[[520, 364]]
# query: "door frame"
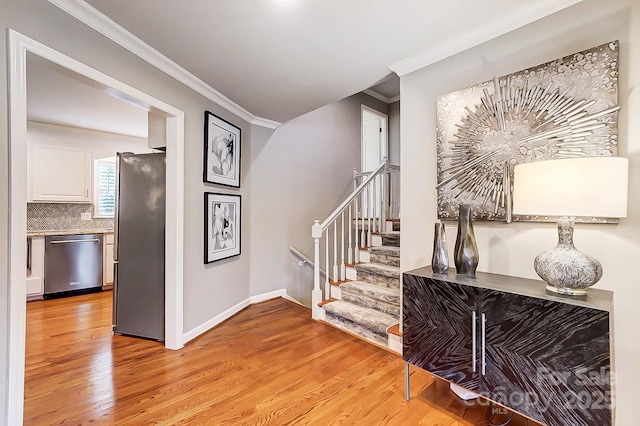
[[384, 118], [18, 46]]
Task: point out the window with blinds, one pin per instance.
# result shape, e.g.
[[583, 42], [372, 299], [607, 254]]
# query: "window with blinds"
[[105, 187]]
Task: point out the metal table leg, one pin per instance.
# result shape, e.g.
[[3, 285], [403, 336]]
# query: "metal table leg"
[[407, 393]]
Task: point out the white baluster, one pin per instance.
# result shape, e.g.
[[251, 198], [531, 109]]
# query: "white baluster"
[[374, 206], [369, 214], [316, 294], [363, 235], [336, 275], [356, 248], [350, 231], [327, 284], [383, 202], [342, 266]]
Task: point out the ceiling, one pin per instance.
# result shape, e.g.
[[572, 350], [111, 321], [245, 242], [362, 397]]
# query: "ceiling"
[[58, 96], [269, 60]]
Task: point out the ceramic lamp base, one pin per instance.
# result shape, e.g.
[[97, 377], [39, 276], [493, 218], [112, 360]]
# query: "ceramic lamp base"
[[565, 269]]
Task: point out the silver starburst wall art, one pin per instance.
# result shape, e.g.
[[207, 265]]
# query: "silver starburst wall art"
[[565, 108]]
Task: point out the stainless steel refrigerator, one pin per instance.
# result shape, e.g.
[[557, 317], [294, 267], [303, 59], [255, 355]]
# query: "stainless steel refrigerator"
[[138, 298]]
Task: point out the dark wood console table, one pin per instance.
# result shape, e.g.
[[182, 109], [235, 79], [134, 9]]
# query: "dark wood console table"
[[507, 339]]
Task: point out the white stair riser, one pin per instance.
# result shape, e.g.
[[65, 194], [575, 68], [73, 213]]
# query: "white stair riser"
[[322, 314], [395, 343], [376, 240], [335, 292], [365, 256], [352, 274]]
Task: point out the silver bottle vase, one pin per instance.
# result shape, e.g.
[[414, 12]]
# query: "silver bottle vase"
[[465, 253], [440, 258]]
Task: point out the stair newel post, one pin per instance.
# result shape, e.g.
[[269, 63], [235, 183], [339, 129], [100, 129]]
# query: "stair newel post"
[[342, 266], [316, 294], [336, 272]]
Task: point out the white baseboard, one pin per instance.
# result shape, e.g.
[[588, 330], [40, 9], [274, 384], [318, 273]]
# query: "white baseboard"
[[266, 296], [208, 325]]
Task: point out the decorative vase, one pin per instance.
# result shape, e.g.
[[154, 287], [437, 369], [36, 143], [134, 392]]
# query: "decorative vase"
[[466, 251], [440, 258]]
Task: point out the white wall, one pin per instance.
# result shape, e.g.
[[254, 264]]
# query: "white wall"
[[300, 172], [101, 144], [510, 249]]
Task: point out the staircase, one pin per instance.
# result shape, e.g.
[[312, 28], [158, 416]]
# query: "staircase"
[[367, 303], [360, 251]]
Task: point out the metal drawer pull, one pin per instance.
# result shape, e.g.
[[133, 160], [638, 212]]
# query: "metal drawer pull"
[[473, 340], [484, 341], [92, 240]]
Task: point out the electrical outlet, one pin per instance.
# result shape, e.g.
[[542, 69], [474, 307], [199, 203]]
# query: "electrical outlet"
[[85, 216]]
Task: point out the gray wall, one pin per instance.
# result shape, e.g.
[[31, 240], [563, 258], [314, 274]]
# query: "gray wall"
[[394, 133], [300, 172], [510, 249], [290, 177], [208, 290]]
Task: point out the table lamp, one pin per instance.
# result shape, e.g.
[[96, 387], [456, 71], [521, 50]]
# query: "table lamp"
[[593, 187]]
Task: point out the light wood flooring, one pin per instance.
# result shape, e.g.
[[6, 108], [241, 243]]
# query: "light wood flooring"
[[269, 365]]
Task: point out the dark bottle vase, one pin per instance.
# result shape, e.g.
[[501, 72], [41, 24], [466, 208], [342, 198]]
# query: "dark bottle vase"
[[466, 251], [440, 258]]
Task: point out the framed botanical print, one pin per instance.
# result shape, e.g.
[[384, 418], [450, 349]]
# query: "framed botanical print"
[[222, 226], [222, 141]]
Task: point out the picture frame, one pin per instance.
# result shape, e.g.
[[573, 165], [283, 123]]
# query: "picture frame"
[[222, 226], [222, 143]]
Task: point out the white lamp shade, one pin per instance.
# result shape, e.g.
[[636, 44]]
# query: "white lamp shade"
[[592, 187]]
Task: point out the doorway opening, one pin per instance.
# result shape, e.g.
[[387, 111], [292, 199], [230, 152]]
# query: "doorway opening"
[[374, 150], [19, 47]]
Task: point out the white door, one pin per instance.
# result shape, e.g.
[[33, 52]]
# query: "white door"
[[374, 151]]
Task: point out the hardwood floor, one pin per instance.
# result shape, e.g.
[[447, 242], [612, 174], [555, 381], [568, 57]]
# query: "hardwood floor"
[[270, 364]]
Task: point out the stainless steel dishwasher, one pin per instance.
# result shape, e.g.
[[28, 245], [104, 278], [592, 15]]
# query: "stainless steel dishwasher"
[[72, 263]]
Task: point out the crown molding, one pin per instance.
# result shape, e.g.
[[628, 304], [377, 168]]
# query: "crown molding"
[[381, 97], [93, 18], [265, 122], [501, 25]]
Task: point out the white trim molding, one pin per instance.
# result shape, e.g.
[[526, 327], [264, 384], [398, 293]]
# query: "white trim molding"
[[18, 47], [512, 20], [208, 325], [381, 97], [92, 17]]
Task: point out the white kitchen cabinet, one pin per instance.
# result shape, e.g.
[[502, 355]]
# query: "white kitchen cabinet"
[[58, 173], [35, 279], [108, 261]]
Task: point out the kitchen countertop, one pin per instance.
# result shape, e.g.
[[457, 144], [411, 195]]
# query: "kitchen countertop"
[[68, 232]]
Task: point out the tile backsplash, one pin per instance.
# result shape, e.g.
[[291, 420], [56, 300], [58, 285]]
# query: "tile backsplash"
[[62, 216]]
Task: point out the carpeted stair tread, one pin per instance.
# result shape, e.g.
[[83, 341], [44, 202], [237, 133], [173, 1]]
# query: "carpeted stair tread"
[[393, 270], [365, 301], [367, 318], [376, 273], [385, 250], [391, 238], [378, 292], [385, 255]]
